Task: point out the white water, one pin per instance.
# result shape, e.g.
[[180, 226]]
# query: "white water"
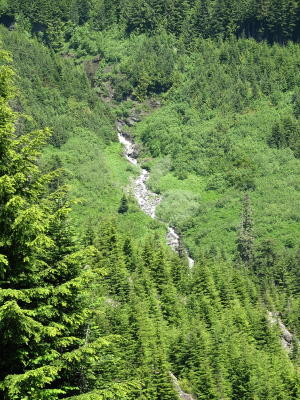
[[191, 262], [128, 146], [173, 240], [148, 201]]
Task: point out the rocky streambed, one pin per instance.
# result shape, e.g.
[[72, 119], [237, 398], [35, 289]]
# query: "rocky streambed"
[[147, 200], [287, 338]]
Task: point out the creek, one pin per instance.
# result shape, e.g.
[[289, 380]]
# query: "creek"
[[147, 200]]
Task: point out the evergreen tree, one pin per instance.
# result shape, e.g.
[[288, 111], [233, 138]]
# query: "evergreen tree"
[[201, 18], [296, 102], [111, 257], [265, 259], [154, 366], [79, 11], [104, 13], [130, 256], [41, 316], [201, 375], [123, 208], [286, 133], [245, 241]]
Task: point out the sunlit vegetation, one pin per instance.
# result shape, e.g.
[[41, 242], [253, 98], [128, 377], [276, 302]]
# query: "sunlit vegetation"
[[93, 304]]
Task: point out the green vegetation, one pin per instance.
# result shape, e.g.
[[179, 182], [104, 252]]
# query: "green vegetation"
[[83, 140], [93, 304], [41, 310], [53, 20], [227, 126]]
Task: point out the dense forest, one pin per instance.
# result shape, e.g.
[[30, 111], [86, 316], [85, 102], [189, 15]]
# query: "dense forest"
[[94, 305], [272, 20]]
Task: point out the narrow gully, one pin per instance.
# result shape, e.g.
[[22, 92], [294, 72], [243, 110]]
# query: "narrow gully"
[[147, 200]]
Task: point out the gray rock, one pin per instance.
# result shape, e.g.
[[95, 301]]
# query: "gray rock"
[[130, 121], [181, 393], [147, 200], [286, 336]]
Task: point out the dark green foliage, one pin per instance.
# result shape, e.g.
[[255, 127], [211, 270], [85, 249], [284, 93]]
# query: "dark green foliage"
[[149, 68], [266, 258], [296, 103], [272, 20], [123, 208], [40, 279], [104, 13], [286, 133], [245, 240], [114, 320], [79, 11], [224, 122]]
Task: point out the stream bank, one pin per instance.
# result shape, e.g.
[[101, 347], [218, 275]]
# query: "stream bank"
[[147, 200]]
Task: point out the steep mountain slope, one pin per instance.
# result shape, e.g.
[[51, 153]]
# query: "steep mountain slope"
[[216, 129], [56, 93]]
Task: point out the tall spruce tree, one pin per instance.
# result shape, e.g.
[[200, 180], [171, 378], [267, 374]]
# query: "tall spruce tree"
[[41, 315], [245, 240]]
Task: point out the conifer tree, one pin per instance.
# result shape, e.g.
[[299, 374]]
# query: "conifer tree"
[[201, 17], [41, 316], [296, 102], [153, 364], [199, 351], [130, 256], [123, 208], [112, 259], [245, 241], [265, 259]]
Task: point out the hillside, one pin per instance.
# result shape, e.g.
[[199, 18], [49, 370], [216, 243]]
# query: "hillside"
[[149, 200]]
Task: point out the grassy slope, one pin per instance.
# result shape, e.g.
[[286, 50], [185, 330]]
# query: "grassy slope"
[[218, 210], [97, 174], [176, 139], [57, 94]]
